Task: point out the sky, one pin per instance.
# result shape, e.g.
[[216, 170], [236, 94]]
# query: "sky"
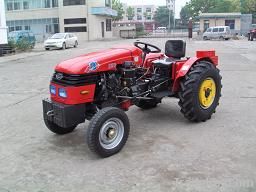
[[179, 4]]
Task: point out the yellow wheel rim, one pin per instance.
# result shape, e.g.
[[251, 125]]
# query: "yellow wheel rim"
[[207, 93]]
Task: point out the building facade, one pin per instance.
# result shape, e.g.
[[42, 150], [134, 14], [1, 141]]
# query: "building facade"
[[88, 19], [142, 15], [3, 28], [238, 23]]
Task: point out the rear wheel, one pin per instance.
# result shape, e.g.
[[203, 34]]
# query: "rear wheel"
[[57, 129], [200, 92], [222, 38], [205, 38], [47, 49], [108, 131], [76, 44]]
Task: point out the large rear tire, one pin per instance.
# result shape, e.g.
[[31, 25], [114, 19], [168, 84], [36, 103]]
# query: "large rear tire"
[[57, 129], [200, 92], [108, 131]]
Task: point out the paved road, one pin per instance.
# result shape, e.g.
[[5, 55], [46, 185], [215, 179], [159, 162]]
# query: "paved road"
[[164, 152]]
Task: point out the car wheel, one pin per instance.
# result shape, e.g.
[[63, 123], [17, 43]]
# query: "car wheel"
[[108, 131], [76, 44], [47, 49], [205, 38], [200, 92], [222, 38], [57, 129], [64, 46]]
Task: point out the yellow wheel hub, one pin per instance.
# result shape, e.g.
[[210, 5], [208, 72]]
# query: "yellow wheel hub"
[[207, 93]]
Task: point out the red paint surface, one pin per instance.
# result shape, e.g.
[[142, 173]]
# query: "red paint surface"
[[74, 94]]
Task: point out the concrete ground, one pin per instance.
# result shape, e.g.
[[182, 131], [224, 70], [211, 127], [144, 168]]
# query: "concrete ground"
[[164, 152]]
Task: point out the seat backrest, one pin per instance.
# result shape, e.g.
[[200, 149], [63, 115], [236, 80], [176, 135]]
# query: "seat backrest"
[[175, 48]]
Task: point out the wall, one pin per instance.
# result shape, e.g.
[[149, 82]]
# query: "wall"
[[3, 28]]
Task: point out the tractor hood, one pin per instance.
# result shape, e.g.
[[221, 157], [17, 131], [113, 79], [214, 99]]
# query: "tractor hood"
[[105, 60]]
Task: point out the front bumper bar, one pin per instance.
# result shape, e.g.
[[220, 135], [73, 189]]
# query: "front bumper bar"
[[63, 115]]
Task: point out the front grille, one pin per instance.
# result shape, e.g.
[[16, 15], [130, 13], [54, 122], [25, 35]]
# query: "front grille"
[[74, 80]]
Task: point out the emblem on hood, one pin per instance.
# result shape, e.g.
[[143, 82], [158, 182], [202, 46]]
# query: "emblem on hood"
[[59, 76], [93, 66]]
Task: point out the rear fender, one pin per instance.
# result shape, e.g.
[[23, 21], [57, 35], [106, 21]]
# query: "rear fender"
[[182, 68]]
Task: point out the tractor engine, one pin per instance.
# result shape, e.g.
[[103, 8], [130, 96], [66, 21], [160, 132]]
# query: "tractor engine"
[[131, 83]]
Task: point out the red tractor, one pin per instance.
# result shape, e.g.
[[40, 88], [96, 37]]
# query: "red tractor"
[[252, 35], [101, 86]]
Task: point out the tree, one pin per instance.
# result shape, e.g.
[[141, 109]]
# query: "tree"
[[162, 16], [194, 7], [130, 13], [185, 14], [118, 6], [248, 7]]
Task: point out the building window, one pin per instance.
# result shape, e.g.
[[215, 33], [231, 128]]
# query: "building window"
[[73, 2], [27, 27], [230, 23], [108, 3], [75, 29], [108, 24], [48, 28], [139, 17], [148, 17], [25, 5], [11, 29], [46, 4], [16, 6], [18, 28], [74, 21], [9, 6], [148, 10], [139, 10], [55, 3]]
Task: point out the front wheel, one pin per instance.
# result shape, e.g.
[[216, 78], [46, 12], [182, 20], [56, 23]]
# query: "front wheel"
[[108, 131], [57, 129], [64, 46], [200, 92]]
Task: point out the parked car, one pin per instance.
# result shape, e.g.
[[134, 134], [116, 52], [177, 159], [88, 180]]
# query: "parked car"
[[219, 32], [161, 30], [19, 36], [252, 35], [61, 41]]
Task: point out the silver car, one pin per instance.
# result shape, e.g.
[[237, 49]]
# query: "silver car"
[[61, 40], [219, 32]]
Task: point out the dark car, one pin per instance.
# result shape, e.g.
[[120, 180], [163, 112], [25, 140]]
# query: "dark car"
[[252, 35]]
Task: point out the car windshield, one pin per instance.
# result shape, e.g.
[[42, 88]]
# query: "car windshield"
[[58, 36]]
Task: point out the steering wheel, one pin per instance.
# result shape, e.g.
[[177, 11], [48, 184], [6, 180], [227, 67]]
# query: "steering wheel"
[[147, 48]]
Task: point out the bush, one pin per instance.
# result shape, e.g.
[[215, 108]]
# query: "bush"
[[21, 45]]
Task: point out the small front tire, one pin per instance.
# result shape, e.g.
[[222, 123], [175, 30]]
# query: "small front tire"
[[108, 131], [76, 44], [57, 129]]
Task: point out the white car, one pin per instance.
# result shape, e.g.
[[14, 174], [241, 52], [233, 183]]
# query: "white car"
[[218, 32], [61, 40]]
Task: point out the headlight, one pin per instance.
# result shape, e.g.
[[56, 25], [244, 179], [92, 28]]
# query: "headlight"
[[53, 89], [62, 93]]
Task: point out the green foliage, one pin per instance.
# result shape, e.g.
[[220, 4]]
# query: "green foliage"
[[118, 6], [130, 13], [23, 45], [162, 16], [11, 43], [248, 6], [194, 7]]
